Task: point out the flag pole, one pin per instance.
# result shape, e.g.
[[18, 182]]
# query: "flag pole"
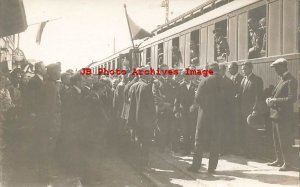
[[130, 33], [44, 21]]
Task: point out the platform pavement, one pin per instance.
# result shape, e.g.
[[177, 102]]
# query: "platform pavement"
[[232, 171]]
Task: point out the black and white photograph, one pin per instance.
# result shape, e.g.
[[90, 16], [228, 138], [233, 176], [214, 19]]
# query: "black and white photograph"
[[149, 93]]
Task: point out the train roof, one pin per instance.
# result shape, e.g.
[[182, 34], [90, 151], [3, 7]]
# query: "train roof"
[[218, 12], [113, 56]]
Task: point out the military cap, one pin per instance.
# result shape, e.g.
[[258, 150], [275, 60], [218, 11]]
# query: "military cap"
[[279, 62]]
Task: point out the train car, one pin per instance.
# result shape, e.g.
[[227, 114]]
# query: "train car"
[[191, 39], [124, 59]]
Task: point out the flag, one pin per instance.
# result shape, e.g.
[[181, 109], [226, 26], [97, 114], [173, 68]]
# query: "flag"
[[40, 32], [136, 31], [12, 17]]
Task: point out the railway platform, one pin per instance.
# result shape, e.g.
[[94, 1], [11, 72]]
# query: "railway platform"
[[171, 171]]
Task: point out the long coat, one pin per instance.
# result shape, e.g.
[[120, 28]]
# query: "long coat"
[[209, 99]]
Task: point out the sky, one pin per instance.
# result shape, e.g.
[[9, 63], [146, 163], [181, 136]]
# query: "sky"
[[86, 29]]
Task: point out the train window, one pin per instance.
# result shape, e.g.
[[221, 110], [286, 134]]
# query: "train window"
[[221, 44], [194, 48], [176, 54], [257, 32], [148, 56], [160, 54]]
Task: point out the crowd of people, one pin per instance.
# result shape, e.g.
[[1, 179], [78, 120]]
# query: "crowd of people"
[[68, 117]]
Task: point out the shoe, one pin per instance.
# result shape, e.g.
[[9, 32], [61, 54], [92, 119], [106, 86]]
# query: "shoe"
[[193, 169], [275, 163], [284, 168]]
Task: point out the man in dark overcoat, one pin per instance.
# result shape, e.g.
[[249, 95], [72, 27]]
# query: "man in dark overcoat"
[[209, 98]]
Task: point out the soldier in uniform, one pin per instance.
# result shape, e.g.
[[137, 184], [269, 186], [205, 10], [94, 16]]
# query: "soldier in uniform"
[[281, 114], [209, 99], [164, 96]]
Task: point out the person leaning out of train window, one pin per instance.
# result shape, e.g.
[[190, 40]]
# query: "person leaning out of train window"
[[176, 57], [281, 113], [263, 30], [160, 56], [221, 44], [256, 37]]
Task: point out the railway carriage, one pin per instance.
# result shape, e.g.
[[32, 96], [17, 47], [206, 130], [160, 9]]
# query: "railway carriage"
[[190, 40]]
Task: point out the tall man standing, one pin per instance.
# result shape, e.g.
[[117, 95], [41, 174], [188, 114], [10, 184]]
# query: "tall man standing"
[[209, 98], [145, 115], [281, 105], [250, 98]]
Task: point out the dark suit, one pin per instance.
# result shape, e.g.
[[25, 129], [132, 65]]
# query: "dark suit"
[[142, 97], [35, 95], [72, 129], [250, 99], [286, 95], [208, 128], [49, 125], [228, 122], [183, 101]]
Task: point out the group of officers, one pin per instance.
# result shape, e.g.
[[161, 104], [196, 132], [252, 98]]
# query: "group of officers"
[[70, 118]]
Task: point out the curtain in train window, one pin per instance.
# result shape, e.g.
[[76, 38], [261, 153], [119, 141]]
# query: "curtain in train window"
[[257, 35], [221, 44], [160, 54], [194, 48], [176, 54]]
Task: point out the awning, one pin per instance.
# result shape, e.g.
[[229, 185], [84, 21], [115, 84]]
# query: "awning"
[[12, 17]]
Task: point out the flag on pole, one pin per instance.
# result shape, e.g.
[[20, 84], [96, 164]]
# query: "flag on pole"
[[40, 32], [136, 31], [12, 17]]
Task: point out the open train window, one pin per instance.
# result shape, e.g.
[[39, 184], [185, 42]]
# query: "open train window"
[[148, 56], [176, 54], [221, 44], [194, 48], [160, 54], [257, 36]]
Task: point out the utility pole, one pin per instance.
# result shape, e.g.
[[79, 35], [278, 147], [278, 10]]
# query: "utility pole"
[[165, 4]]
